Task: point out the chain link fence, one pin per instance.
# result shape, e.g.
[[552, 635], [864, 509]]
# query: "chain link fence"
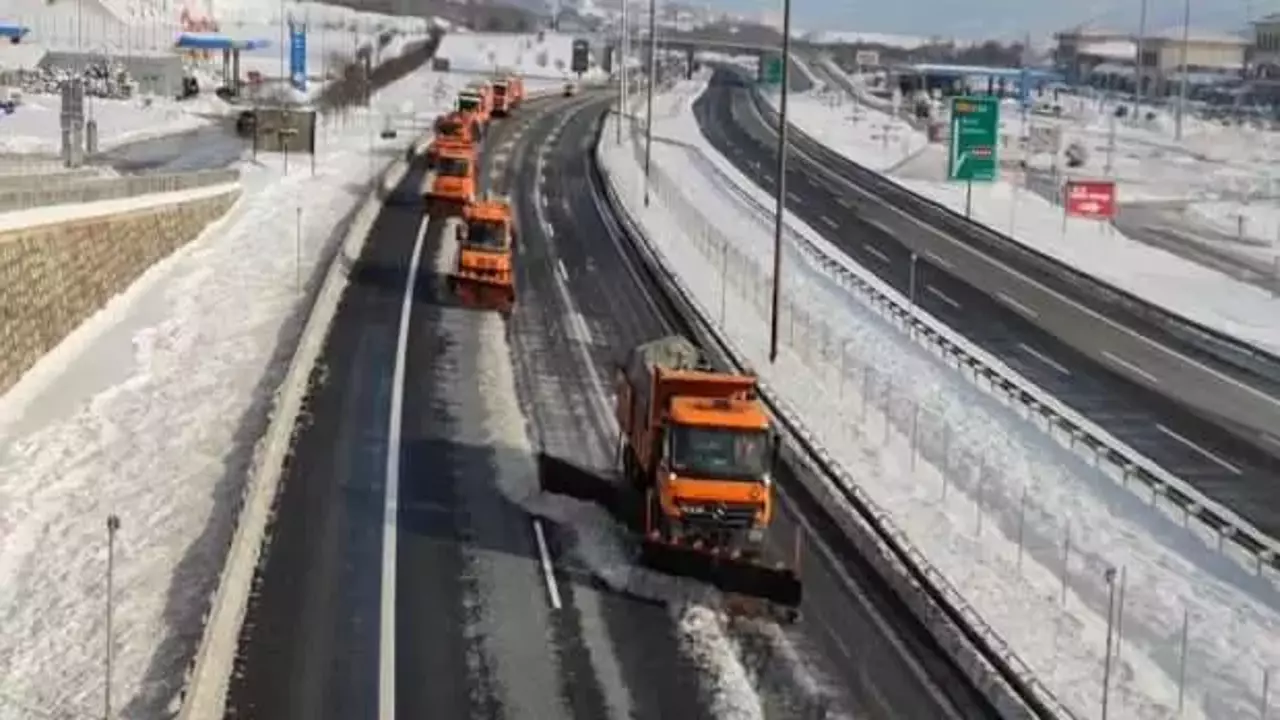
[[883, 416]]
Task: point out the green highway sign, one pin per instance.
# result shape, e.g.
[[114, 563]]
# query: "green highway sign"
[[975, 137], [773, 70]]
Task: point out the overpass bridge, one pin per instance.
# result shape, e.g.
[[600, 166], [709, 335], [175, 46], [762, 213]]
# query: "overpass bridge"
[[693, 44]]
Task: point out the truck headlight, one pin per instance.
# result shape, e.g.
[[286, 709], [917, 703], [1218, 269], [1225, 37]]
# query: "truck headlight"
[[755, 534]]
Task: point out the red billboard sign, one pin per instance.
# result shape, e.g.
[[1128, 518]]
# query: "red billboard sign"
[[1093, 199]]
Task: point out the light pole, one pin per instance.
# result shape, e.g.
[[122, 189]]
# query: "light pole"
[[622, 72], [1106, 662], [1140, 67], [1182, 63], [113, 526], [781, 208], [653, 72]]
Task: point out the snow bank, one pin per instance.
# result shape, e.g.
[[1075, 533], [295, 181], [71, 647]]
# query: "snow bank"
[[138, 413], [1024, 527], [35, 126]]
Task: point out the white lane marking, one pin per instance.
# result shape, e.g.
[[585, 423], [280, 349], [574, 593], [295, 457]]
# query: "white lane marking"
[[1130, 366], [1230, 468], [544, 557], [842, 202], [1004, 298], [830, 223], [560, 269], [580, 330], [942, 296], [793, 197], [875, 251], [1042, 357], [1102, 319], [391, 501], [933, 258]]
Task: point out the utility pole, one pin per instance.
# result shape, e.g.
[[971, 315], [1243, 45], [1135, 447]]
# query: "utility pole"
[[653, 76], [781, 203], [113, 526], [1182, 64], [1140, 67], [622, 73]]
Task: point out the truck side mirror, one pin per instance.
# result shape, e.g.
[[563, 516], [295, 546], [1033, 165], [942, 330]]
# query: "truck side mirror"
[[775, 450]]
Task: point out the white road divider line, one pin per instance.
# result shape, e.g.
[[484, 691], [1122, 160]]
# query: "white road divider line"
[[1042, 357], [391, 502], [544, 557], [876, 252], [1023, 309], [942, 296], [1228, 466], [1130, 367]]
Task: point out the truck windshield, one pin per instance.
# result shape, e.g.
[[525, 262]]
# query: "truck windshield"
[[469, 104], [719, 453], [499, 90], [452, 129], [453, 167], [485, 236]]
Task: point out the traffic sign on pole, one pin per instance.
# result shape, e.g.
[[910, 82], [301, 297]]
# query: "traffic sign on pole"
[[773, 70], [975, 135], [1093, 199]]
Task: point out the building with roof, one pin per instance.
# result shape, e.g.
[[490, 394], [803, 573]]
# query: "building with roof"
[[1102, 57], [1265, 61]]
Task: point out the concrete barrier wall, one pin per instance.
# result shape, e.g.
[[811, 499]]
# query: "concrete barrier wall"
[[53, 277], [91, 190]]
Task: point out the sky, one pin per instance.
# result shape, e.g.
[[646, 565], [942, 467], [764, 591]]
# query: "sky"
[[1004, 18]]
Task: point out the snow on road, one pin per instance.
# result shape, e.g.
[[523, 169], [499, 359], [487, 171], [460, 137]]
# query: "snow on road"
[[150, 411], [989, 499], [1196, 292]]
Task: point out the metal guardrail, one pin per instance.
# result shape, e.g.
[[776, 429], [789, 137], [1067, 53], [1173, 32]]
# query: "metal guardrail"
[[1218, 345], [946, 604], [48, 180], [91, 190]]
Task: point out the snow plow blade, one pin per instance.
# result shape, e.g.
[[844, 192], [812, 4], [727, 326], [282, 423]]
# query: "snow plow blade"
[[482, 294], [743, 580]]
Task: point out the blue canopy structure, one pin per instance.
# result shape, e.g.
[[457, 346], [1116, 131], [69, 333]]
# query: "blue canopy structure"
[[13, 31], [960, 71], [215, 41]]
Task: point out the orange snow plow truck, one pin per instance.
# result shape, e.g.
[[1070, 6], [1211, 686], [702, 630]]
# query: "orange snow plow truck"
[[484, 276], [450, 183], [697, 449], [508, 94]]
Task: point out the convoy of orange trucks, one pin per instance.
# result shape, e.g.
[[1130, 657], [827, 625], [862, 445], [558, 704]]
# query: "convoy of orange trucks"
[[697, 447]]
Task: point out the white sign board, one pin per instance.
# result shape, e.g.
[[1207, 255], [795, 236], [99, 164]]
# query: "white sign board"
[[866, 58]]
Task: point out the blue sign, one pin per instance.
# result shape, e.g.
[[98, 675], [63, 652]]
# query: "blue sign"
[[298, 56], [1024, 88]]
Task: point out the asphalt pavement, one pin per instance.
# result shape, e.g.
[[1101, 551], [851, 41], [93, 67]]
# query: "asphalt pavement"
[[208, 147], [876, 660], [1215, 461]]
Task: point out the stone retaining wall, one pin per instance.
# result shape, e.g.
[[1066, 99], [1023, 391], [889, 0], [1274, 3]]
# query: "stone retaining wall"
[[54, 277]]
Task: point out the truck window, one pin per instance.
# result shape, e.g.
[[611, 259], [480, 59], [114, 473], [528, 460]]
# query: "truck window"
[[485, 236], [499, 90], [453, 167], [451, 128], [468, 104], [719, 453]]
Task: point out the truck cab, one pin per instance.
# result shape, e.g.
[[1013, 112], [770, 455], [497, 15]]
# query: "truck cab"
[[484, 275], [474, 107], [503, 102], [451, 182]]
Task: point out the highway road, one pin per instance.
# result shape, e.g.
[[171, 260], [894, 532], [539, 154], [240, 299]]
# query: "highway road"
[[1235, 473], [484, 406], [878, 662]]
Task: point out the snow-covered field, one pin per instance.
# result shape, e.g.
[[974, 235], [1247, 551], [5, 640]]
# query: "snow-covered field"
[[522, 53], [35, 128], [140, 413], [993, 502], [1194, 291]]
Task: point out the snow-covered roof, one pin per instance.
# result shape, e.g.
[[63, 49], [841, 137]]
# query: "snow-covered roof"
[[1199, 36], [1110, 49]]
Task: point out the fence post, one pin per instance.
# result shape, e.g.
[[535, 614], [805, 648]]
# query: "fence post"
[[977, 502], [1022, 524], [1120, 613], [1182, 660], [1066, 562], [1266, 690]]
